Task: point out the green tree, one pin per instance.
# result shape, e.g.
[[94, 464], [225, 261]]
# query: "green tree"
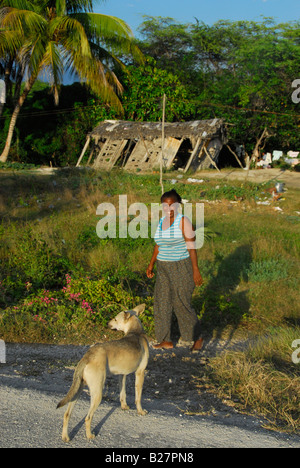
[[241, 71], [144, 89], [60, 35], [10, 42], [253, 88]]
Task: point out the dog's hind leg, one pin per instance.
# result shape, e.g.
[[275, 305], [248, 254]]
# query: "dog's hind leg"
[[65, 435], [67, 415], [95, 385], [139, 381], [124, 405]]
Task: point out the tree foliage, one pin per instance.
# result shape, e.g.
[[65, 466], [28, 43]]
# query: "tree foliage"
[[240, 71], [144, 88], [55, 36]]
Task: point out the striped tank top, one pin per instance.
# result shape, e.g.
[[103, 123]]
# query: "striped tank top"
[[171, 243]]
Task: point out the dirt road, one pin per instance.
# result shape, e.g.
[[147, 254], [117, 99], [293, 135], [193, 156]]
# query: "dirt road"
[[35, 378], [290, 179]]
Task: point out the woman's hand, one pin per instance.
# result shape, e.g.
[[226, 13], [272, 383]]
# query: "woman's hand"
[[149, 271], [198, 280]]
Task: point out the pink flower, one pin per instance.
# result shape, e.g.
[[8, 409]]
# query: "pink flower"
[[85, 305]]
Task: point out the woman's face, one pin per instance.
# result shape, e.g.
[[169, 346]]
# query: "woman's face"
[[170, 207]]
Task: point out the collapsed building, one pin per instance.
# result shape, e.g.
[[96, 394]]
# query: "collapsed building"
[[138, 146]]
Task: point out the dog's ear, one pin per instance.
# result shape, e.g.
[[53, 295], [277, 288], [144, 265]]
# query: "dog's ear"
[[139, 309], [127, 315]]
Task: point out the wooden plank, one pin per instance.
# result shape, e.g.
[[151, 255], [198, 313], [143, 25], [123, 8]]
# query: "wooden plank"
[[83, 151], [211, 160], [109, 154], [117, 154], [193, 155], [171, 148], [137, 156], [145, 154], [235, 156]]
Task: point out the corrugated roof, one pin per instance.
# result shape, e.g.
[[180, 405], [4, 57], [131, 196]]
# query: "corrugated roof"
[[120, 129]]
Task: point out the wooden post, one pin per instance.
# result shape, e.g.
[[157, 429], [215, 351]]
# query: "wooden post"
[[162, 142], [193, 155], [235, 156], [211, 159], [84, 150]]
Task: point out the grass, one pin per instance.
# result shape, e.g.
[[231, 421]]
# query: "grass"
[[263, 378], [60, 283]]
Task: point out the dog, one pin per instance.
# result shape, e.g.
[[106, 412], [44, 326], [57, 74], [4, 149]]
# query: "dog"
[[121, 357]]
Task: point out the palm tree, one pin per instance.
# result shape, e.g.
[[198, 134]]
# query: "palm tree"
[[65, 35], [9, 44]]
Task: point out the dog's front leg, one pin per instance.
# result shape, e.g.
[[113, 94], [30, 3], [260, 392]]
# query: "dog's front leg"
[[124, 405], [139, 382]]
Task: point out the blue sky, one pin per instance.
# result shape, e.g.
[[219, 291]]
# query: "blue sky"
[[209, 11]]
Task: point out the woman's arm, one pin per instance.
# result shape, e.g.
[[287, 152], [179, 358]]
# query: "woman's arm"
[[188, 232], [150, 273]]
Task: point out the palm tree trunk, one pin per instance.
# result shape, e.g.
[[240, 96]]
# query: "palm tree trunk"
[[7, 82], [20, 102]]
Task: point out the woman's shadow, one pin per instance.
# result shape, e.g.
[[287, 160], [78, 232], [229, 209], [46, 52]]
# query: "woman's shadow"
[[221, 304]]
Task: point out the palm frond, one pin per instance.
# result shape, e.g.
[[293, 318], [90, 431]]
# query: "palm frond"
[[107, 57], [71, 34], [104, 26], [52, 64], [32, 53], [18, 4], [110, 31], [22, 21], [10, 42], [77, 6], [100, 80], [61, 7]]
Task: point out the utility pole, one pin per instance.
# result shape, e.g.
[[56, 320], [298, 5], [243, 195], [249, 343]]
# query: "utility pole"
[[162, 142]]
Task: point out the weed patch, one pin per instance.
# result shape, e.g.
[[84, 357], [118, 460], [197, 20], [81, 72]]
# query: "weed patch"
[[263, 377], [268, 270]]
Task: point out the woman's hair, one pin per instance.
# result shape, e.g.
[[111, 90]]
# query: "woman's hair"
[[171, 194]]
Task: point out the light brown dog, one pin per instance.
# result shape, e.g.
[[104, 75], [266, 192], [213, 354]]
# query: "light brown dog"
[[121, 357]]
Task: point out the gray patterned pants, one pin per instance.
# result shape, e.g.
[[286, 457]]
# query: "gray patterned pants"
[[173, 292]]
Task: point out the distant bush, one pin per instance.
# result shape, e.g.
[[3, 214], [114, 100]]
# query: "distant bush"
[[16, 166]]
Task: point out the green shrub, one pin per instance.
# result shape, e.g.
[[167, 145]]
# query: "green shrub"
[[83, 304], [268, 270]]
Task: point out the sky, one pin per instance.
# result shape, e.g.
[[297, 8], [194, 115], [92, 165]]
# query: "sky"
[[208, 11]]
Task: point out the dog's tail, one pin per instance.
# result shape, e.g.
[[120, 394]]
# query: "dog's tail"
[[76, 386]]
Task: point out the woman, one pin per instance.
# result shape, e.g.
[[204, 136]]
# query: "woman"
[[177, 275]]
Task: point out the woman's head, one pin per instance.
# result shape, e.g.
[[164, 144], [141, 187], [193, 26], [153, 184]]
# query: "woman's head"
[[170, 202], [171, 194]]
